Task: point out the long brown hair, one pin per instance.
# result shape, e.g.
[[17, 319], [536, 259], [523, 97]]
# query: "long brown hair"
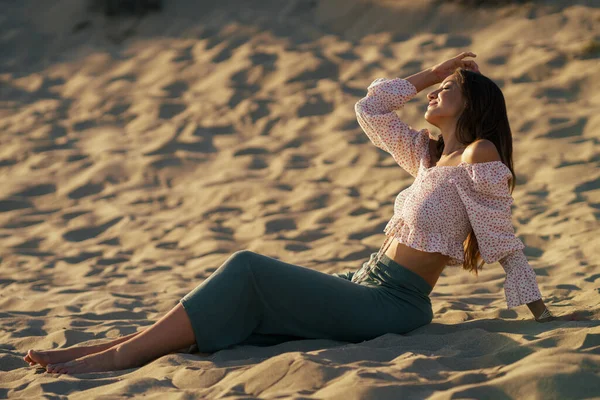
[[484, 117]]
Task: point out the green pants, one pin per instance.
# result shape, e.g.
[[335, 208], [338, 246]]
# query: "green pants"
[[259, 300]]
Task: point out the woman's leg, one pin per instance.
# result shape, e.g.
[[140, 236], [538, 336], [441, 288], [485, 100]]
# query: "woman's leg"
[[252, 296], [172, 332], [46, 357]]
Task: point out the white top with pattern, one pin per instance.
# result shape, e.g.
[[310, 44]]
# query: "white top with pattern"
[[436, 213]]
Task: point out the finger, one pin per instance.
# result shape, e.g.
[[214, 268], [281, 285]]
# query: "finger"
[[471, 65], [466, 54]]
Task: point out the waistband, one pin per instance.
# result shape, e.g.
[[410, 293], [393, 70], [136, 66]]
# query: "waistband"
[[389, 271]]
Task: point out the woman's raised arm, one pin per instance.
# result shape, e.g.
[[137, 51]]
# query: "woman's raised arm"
[[377, 117], [439, 72]]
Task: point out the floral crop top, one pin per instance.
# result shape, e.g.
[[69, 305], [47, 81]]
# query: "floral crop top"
[[437, 212]]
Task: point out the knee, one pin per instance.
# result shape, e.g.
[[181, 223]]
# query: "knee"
[[243, 255], [240, 259]]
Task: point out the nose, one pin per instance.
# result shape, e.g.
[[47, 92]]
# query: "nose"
[[432, 95]]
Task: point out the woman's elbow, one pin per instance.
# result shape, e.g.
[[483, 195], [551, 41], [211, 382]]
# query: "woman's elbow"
[[359, 106]]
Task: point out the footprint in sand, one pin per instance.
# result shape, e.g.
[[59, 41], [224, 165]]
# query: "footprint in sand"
[[497, 60], [411, 67], [184, 55], [280, 224], [588, 186], [364, 233], [297, 247], [534, 245], [314, 106], [158, 268], [324, 69], [88, 189], [297, 161], [266, 60], [555, 94], [12, 204], [37, 190], [176, 89], [310, 236], [457, 41], [170, 110], [227, 51], [76, 157], [81, 234], [228, 211], [167, 245], [119, 109], [111, 261], [564, 127], [259, 109], [251, 150], [360, 211], [81, 257], [68, 145]]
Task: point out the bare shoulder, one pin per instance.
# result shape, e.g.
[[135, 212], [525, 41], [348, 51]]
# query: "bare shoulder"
[[480, 151]]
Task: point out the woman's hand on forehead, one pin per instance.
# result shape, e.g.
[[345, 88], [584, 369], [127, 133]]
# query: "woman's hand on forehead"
[[447, 68]]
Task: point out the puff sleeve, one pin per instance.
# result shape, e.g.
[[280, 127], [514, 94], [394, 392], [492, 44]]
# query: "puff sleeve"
[[486, 196], [376, 116]]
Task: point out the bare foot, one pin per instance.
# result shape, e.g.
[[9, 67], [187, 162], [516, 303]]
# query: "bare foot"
[[44, 358], [107, 360]]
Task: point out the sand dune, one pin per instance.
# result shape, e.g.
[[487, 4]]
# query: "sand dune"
[[137, 154]]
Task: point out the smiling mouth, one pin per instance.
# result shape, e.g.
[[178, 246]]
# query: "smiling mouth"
[[434, 103]]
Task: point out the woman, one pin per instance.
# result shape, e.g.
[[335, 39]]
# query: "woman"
[[460, 197]]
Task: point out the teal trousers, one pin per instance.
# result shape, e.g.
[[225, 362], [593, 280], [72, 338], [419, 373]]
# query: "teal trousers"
[[259, 300]]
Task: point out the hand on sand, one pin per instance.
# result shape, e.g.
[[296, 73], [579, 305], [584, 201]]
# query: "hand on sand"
[[447, 68]]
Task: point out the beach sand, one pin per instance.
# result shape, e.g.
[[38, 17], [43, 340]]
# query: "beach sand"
[[138, 153]]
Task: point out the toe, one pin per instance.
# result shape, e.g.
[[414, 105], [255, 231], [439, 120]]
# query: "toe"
[[38, 357], [28, 356], [67, 367]]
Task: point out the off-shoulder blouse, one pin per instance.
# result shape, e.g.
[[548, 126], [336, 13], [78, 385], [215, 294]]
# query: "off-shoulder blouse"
[[437, 212]]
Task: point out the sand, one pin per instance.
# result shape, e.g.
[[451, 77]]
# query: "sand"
[[137, 154]]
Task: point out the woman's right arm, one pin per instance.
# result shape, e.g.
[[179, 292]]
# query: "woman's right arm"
[[377, 117], [441, 71], [424, 79]]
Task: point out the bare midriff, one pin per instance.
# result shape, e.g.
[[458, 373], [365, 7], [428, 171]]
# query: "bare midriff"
[[427, 265]]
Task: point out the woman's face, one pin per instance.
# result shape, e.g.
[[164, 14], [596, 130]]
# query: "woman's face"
[[445, 103]]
